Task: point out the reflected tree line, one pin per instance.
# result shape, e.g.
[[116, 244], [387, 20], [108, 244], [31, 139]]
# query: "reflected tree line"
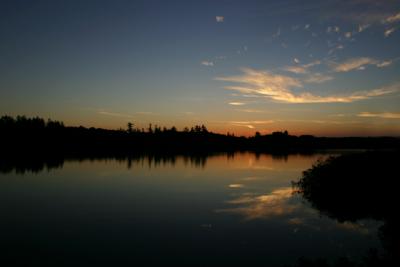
[[353, 187], [31, 164], [22, 136], [37, 164]]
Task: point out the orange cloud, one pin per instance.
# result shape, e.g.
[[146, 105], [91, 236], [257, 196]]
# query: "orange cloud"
[[279, 88], [384, 115]]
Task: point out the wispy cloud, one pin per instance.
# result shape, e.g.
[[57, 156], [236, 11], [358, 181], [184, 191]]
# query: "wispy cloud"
[[312, 64], [245, 125], [360, 64], [318, 78], [301, 69], [277, 34], [250, 124], [339, 115], [236, 185], [354, 63], [335, 122], [219, 18], [113, 114], [338, 47], [207, 63], [237, 103], [385, 63], [311, 77], [363, 11], [388, 32], [251, 110], [296, 69], [384, 115], [279, 88], [348, 34], [392, 19], [363, 27], [262, 83]]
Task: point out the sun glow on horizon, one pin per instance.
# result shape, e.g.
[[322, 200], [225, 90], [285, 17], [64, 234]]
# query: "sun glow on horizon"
[[323, 69]]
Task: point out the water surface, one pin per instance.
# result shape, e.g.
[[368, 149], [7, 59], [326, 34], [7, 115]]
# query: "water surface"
[[229, 209]]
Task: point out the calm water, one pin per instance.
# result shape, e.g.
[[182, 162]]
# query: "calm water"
[[221, 210]]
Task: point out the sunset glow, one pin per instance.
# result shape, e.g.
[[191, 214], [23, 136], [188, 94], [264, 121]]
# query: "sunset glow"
[[327, 68]]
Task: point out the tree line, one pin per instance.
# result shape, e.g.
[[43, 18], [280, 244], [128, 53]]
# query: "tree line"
[[24, 135]]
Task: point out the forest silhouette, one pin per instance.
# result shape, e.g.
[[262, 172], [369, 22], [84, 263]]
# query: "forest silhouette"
[[21, 136]]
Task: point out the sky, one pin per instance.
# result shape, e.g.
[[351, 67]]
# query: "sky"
[[327, 68]]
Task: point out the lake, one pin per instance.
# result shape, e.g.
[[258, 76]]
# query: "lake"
[[217, 210]]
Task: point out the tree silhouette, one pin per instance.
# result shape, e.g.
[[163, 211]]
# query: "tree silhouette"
[[130, 127], [34, 135]]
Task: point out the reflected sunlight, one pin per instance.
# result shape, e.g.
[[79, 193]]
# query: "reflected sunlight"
[[279, 202]]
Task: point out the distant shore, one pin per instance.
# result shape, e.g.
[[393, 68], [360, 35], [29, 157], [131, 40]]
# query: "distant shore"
[[32, 136]]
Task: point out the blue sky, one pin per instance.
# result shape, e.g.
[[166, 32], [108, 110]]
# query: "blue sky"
[[317, 67]]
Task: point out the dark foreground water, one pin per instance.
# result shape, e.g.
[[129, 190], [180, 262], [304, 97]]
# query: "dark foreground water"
[[219, 210]]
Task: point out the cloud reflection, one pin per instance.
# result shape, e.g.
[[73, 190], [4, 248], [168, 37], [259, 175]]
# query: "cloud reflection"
[[283, 205], [278, 203], [236, 185]]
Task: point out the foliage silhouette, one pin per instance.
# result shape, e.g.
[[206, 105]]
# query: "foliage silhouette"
[[358, 186], [22, 136]]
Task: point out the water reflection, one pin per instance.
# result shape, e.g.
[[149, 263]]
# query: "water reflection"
[[29, 165], [283, 204], [22, 165], [180, 210], [37, 164], [280, 202]]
